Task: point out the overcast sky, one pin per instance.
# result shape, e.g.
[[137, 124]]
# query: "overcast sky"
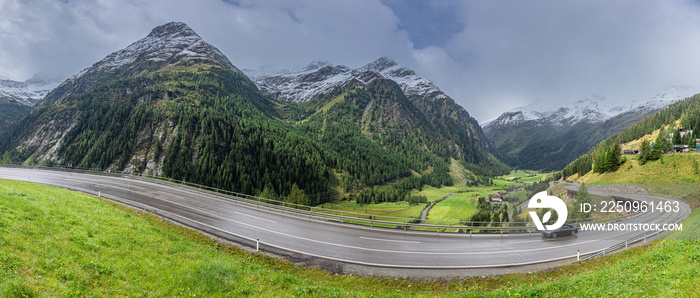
[[490, 56]]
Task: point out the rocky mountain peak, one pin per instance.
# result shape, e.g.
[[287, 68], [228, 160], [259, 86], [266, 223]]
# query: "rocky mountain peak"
[[380, 65], [172, 30], [167, 44], [320, 77], [317, 64]]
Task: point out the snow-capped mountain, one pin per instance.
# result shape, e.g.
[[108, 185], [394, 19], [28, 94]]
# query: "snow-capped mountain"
[[665, 98], [418, 101], [166, 44], [300, 84], [539, 136], [591, 109], [29, 92], [321, 77]]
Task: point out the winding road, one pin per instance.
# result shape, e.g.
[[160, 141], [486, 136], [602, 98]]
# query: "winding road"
[[304, 237]]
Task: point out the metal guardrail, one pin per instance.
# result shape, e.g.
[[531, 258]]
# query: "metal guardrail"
[[320, 213]]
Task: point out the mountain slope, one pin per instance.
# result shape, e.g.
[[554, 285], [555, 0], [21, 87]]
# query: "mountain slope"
[[320, 83], [170, 104], [540, 137]]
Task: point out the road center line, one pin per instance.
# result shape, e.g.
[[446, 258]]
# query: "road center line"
[[388, 240], [253, 216]]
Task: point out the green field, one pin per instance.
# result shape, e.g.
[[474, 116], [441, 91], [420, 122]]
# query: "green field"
[[454, 208], [404, 210], [58, 243], [523, 176], [398, 209]]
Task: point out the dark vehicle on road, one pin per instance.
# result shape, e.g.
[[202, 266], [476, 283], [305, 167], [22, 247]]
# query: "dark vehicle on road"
[[564, 230]]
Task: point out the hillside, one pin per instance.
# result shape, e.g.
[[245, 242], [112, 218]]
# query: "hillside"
[[671, 168], [11, 112]]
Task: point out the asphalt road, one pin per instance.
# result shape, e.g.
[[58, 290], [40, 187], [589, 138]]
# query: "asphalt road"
[[337, 241]]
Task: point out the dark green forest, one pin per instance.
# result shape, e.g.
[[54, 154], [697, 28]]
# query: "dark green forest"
[[10, 113]]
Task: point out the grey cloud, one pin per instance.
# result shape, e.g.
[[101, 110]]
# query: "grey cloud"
[[504, 52]]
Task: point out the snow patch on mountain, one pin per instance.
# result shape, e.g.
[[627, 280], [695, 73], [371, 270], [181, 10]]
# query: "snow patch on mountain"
[[302, 84], [29, 92], [593, 108], [173, 41]]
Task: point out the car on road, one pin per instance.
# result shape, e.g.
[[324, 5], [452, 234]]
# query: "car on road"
[[563, 230]]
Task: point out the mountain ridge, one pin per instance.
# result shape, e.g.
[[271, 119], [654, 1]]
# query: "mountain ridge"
[[537, 138], [29, 92], [592, 108], [315, 82]]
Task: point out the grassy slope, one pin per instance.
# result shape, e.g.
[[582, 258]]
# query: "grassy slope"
[[58, 243], [671, 168]]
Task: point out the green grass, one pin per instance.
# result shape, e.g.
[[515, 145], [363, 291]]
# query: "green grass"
[[404, 210], [331, 103], [523, 176], [398, 209], [671, 168], [434, 194], [454, 208], [58, 243]]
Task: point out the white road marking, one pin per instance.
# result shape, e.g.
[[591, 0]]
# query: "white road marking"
[[388, 240], [253, 216], [539, 240]]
